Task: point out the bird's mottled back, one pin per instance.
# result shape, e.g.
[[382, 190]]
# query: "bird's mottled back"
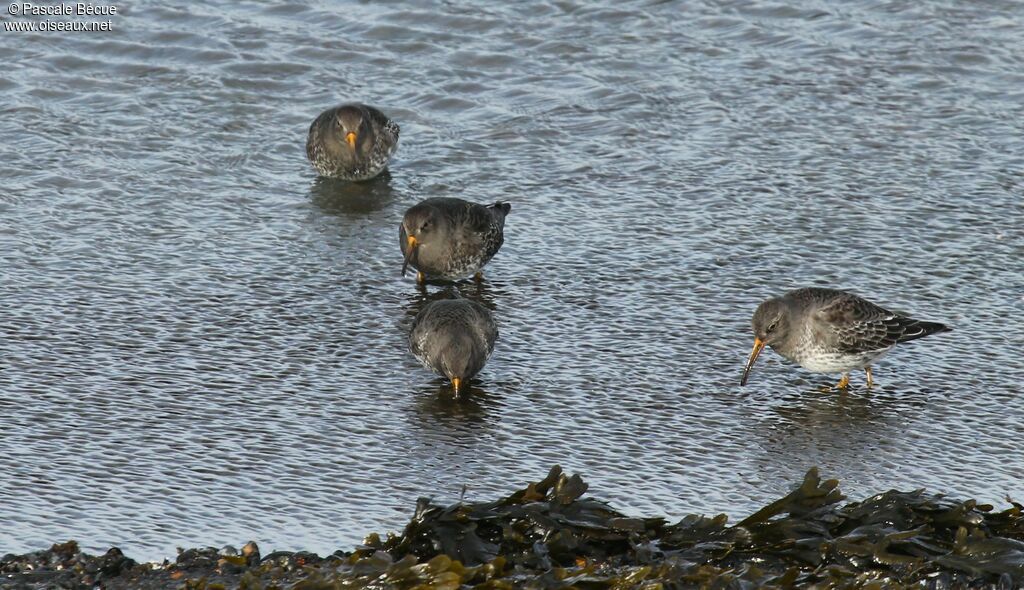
[[836, 305], [453, 337]]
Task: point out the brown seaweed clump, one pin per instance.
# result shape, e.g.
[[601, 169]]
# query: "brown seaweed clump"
[[548, 536]]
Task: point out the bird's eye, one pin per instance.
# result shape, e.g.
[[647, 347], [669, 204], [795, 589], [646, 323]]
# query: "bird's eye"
[[772, 326]]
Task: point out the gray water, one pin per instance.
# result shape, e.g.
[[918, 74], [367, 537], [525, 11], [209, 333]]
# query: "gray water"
[[202, 344]]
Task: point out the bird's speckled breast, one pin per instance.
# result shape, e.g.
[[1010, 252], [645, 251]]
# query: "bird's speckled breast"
[[383, 148]]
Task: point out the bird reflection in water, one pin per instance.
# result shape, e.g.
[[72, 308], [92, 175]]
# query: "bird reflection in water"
[[851, 425], [342, 197], [473, 412]]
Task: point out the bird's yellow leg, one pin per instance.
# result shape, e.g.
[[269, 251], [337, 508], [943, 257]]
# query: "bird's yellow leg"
[[421, 278], [479, 276], [871, 381], [844, 382]]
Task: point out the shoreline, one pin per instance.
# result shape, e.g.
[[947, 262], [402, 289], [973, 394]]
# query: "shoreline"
[[549, 535]]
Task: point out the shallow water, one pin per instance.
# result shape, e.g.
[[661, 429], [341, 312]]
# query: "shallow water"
[[202, 343]]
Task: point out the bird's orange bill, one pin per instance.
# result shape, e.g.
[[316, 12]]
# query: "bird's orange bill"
[[758, 345], [350, 138], [410, 248], [456, 383]]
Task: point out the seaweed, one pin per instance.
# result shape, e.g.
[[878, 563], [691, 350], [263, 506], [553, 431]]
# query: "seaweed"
[[550, 535]]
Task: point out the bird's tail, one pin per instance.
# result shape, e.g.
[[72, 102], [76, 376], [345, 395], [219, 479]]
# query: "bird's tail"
[[934, 328], [919, 329], [503, 206]]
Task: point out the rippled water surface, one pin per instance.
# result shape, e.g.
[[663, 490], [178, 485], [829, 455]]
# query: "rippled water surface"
[[202, 343]]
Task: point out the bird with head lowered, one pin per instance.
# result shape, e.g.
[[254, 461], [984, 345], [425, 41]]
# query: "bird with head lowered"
[[831, 331], [454, 338], [450, 239]]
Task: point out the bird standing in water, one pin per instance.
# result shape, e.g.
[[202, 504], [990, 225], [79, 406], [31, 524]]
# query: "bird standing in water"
[[831, 331], [454, 338], [450, 239], [351, 142]]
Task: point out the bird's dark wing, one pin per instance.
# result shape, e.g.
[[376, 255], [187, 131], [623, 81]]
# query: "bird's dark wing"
[[414, 335], [318, 134], [484, 325], [857, 325], [381, 121], [477, 218], [489, 328]]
